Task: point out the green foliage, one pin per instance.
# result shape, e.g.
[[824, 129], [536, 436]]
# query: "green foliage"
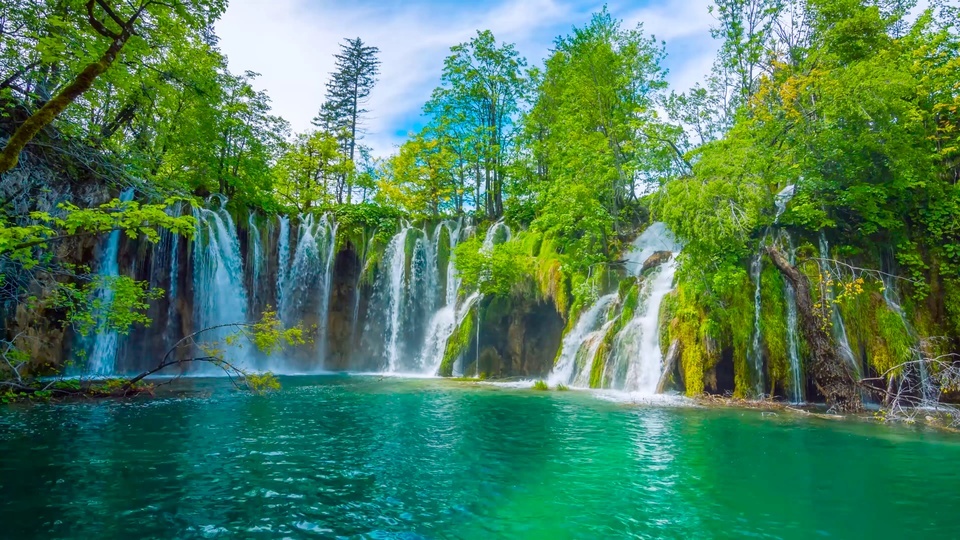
[[493, 272], [262, 383], [106, 303], [21, 242], [540, 385], [562, 387]]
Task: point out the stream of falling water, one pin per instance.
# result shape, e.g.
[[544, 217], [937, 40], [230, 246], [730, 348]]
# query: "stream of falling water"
[[756, 352], [586, 328], [838, 328], [103, 354], [793, 340], [927, 391], [305, 282], [220, 294], [635, 360]]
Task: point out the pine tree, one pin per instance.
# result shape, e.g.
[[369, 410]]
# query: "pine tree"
[[356, 73]]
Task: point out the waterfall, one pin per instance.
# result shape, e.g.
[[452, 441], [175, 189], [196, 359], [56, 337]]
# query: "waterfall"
[[220, 296], [637, 345], [635, 359], [790, 299], [327, 284], [928, 392], [418, 315], [498, 233], [305, 283], [587, 326], [445, 320], [255, 253], [756, 353], [283, 259], [395, 260], [103, 356], [838, 329], [793, 340]]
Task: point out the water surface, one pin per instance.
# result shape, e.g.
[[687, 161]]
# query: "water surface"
[[360, 457]]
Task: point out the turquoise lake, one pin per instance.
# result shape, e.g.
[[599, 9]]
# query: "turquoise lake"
[[364, 457]]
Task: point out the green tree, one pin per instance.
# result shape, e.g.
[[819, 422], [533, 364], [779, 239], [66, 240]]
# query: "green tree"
[[357, 68], [482, 88], [107, 29]]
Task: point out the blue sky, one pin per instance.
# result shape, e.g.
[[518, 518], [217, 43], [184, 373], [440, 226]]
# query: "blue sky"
[[291, 44]]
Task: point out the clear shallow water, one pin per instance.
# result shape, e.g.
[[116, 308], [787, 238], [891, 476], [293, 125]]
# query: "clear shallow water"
[[359, 457]]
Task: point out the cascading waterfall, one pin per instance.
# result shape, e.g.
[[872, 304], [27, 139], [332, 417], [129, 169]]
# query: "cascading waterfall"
[[635, 360], [588, 325], [445, 320], [790, 299], [220, 296], [498, 233], [395, 259], [103, 355], [305, 283], [756, 353], [927, 390], [638, 344], [793, 340], [838, 328], [418, 314], [283, 258], [255, 243]]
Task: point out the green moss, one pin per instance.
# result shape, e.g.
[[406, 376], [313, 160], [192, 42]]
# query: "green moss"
[[540, 385], [734, 317], [531, 241], [688, 325], [773, 325], [668, 310], [443, 256], [599, 363], [458, 343]]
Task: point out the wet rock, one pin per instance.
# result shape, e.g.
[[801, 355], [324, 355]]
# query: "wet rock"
[[656, 260]]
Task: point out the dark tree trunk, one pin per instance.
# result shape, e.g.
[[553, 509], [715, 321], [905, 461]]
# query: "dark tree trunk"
[[831, 376]]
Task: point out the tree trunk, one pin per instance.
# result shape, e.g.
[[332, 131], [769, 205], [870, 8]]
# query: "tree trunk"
[[830, 375]]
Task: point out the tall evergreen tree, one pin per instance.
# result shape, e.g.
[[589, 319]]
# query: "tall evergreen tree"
[[348, 89]]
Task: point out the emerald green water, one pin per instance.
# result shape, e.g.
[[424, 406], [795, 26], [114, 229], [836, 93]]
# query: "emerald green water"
[[359, 457]]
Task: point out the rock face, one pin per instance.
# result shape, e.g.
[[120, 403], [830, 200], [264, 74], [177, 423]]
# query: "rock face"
[[656, 260], [519, 337]]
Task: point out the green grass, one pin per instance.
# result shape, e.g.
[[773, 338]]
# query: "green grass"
[[540, 385]]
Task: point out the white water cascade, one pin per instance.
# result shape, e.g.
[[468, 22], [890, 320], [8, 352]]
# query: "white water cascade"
[[578, 339], [635, 359], [793, 339], [103, 355], [220, 296], [305, 282], [838, 328], [790, 299], [927, 389], [637, 346], [445, 320]]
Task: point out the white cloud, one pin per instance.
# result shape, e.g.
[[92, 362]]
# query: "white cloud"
[[292, 42]]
